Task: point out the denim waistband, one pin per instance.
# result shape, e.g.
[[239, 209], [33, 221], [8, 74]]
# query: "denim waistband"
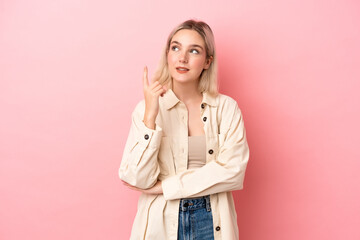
[[195, 203]]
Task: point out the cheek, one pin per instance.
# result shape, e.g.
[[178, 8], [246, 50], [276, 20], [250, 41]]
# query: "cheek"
[[199, 63], [170, 59]]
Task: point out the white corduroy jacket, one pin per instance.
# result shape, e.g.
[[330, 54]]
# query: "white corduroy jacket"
[[162, 154]]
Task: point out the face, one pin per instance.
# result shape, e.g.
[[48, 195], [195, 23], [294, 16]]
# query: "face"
[[187, 56]]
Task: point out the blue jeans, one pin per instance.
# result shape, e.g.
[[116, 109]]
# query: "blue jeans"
[[195, 219]]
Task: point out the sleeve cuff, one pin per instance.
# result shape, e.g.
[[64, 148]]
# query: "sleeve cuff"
[[171, 188], [149, 137]]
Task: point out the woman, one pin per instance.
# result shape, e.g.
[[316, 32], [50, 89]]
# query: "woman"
[[187, 149]]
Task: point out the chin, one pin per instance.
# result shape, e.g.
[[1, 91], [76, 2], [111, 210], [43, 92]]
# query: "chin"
[[183, 80]]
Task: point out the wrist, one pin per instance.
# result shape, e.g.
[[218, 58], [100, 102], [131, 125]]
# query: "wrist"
[[150, 123]]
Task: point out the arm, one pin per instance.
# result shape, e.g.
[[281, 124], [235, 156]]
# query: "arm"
[[225, 173], [139, 166]]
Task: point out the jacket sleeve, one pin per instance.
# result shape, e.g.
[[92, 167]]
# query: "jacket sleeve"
[[139, 166], [225, 173]]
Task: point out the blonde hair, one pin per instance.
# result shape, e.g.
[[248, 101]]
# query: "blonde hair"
[[208, 77]]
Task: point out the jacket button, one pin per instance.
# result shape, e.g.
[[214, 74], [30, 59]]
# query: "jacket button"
[[204, 119], [202, 106], [146, 137], [217, 228], [211, 151]]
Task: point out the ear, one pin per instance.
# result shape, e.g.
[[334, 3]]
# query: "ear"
[[208, 62]]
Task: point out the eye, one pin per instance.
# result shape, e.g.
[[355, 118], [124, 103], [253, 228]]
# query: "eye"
[[174, 48], [194, 51]]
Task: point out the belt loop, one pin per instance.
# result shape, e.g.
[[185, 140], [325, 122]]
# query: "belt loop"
[[208, 206], [183, 209]]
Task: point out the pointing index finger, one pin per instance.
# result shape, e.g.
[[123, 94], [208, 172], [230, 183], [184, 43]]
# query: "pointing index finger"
[[145, 77]]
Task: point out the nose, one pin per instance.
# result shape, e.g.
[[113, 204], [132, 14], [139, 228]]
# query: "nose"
[[183, 58]]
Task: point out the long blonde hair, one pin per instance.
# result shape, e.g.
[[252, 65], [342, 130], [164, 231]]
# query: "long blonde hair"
[[208, 77]]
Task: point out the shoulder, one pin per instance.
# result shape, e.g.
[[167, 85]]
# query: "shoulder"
[[225, 99], [226, 103], [228, 113], [228, 110]]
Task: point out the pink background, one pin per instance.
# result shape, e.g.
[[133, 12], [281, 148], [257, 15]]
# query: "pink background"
[[70, 75]]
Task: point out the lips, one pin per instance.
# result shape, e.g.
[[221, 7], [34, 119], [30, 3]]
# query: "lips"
[[182, 70]]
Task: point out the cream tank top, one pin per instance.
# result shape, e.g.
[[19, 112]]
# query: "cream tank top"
[[197, 151]]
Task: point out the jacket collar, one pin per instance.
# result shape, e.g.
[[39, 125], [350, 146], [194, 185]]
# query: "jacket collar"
[[209, 99], [170, 99]]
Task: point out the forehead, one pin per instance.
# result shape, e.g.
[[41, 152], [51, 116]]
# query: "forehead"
[[188, 37]]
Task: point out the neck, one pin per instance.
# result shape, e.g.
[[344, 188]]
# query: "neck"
[[187, 92]]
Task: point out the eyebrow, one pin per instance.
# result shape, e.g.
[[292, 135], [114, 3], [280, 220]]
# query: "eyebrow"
[[192, 45]]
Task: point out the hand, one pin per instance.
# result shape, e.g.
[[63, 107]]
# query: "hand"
[[152, 92], [156, 189]]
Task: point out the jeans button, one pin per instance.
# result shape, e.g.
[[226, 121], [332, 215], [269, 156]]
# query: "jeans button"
[[186, 204]]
